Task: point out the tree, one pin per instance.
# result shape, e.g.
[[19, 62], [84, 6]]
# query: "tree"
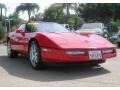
[[15, 20], [54, 13], [67, 6], [37, 17], [98, 12], [29, 7]]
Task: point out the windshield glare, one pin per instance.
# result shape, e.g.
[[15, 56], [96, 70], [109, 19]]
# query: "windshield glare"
[[91, 26], [50, 27]]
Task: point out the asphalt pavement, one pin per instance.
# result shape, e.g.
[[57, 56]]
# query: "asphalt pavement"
[[18, 72]]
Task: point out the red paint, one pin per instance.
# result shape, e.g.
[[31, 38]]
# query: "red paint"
[[60, 43]]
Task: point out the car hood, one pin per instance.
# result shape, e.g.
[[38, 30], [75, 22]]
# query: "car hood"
[[75, 40]]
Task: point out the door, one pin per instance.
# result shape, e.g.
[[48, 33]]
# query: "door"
[[21, 39]]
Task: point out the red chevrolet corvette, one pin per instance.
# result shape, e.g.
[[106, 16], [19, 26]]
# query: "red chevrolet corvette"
[[50, 42]]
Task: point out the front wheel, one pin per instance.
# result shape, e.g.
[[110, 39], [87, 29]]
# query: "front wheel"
[[11, 53], [35, 56]]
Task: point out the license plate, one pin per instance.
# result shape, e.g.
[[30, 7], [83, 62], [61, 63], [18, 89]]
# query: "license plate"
[[95, 55]]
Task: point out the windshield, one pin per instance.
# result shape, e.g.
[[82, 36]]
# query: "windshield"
[[91, 26], [50, 27]]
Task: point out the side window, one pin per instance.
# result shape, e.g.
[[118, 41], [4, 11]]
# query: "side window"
[[22, 27]]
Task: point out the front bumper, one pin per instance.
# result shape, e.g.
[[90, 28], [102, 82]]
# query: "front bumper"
[[59, 55]]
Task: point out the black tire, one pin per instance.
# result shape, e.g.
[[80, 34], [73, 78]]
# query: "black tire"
[[11, 53], [35, 62]]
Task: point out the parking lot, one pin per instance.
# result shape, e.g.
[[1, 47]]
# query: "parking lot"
[[18, 72]]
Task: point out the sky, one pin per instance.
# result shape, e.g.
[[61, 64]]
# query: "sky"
[[11, 4], [11, 8]]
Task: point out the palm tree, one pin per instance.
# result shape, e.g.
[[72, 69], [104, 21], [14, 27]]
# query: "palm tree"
[[29, 7], [54, 13], [65, 6]]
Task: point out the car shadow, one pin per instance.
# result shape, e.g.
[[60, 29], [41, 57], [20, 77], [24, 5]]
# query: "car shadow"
[[20, 67]]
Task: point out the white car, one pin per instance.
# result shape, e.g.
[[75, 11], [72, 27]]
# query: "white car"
[[97, 28]]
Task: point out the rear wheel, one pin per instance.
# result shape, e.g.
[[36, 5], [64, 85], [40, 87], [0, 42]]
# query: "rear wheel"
[[35, 56], [11, 53]]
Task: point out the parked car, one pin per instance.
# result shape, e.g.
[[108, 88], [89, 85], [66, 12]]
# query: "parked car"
[[118, 39], [50, 42], [114, 37], [97, 28]]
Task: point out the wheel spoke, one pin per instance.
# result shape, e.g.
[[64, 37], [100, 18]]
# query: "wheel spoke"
[[8, 48], [33, 54]]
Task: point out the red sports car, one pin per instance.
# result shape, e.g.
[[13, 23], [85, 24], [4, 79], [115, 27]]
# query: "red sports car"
[[50, 42]]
